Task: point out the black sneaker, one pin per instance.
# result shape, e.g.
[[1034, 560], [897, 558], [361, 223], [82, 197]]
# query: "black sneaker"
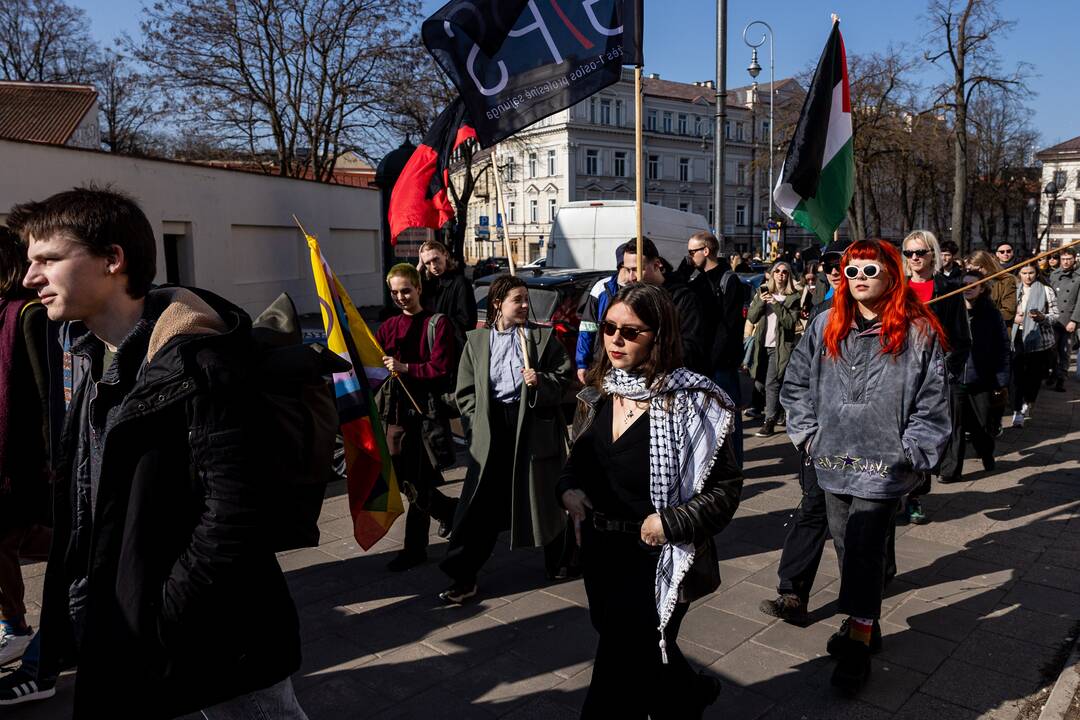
[[837, 641], [21, 687], [788, 607], [406, 561], [915, 513], [852, 667], [458, 593], [444, 529]]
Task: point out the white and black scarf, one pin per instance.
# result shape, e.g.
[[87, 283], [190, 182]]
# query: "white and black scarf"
[[689, 419]]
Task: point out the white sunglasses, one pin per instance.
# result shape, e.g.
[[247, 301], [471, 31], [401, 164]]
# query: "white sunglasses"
[[869, 270]]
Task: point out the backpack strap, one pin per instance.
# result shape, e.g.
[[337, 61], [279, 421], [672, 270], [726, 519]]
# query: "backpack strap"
[[25, 307], [431, 323]]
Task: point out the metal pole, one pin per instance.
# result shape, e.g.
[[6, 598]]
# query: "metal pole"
[[500, 207], [719, 134], [772, 93]]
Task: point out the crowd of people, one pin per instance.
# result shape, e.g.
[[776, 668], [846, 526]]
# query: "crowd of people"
[[126, 446]]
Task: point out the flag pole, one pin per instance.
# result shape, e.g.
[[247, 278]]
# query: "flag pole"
[[639, 148], [1007, 270], [500, 209]]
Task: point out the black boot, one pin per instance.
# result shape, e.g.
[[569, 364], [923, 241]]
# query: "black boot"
[[768, 429], [852, 667]]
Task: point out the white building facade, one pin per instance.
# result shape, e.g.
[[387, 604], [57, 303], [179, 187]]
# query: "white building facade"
[[586, 152], [1059, 212]]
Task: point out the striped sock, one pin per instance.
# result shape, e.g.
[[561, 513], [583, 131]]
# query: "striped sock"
[[859, 629]]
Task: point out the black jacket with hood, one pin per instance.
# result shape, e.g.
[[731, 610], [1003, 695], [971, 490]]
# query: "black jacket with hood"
[[175, 598]]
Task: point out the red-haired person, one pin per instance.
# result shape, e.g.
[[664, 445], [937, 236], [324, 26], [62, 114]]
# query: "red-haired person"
[[867, 399]]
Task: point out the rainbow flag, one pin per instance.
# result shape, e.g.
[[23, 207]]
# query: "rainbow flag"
[[374, 496]]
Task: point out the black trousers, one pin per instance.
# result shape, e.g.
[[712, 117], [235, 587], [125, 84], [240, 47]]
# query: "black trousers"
[[629, 680], [1029, 372], [805, 540], [414, 466], [864, 532], [973, 409]]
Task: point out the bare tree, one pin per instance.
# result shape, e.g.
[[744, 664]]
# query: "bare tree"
[[45, 41], [967, 28], [130, 106], [417, 90], [300, 79]]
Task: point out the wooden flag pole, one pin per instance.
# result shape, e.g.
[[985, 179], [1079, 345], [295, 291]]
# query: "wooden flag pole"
[[1014, 268], [500, 208], [639, 150], [297, 221]]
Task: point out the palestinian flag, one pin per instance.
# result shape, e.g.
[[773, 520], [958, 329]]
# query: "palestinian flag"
[[818, 176], [374, 496], [419, 198]]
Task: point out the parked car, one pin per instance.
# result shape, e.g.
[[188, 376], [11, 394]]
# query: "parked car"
[[490, 266]]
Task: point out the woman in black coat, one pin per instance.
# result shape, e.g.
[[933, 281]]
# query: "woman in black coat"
[[985, 374], [645, 521]]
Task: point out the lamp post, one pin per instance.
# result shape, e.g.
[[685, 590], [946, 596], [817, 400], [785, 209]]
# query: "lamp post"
[[754, 69], [1051, 192]]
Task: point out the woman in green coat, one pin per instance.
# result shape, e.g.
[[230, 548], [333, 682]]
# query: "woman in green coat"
[[517, 443], [775, 311]]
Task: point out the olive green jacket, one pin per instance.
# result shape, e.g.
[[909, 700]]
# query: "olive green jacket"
[[787, 315]]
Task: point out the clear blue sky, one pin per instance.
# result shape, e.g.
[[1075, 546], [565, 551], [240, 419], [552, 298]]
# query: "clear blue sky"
[[680, 41]]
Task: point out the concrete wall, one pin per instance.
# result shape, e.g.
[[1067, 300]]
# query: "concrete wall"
[[232, 231]]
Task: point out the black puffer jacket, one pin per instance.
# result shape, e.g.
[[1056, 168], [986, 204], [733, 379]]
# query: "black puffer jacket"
[[696, 521], [178, 602]]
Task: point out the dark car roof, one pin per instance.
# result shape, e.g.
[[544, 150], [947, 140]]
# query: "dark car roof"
[[548, 277]]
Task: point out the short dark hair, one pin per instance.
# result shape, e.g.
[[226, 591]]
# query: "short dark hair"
[[654, 306], [1067, 251], [13, 265], [500, 288], [648, 248], [950, 247], [1002, 244], [709, 240], [96, 218]]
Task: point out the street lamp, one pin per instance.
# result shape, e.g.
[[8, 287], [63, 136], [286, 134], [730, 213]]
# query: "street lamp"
[[1051, 193], [754, 69]]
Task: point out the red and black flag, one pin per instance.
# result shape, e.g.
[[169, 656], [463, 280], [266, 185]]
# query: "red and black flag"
[[419, 195], [517, 61]]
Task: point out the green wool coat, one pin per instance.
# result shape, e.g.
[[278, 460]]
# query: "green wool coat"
[[540, 447], [787, 315]]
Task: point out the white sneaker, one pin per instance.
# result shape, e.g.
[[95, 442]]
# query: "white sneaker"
[[1025, 409], [1018, 420], [13, 646]]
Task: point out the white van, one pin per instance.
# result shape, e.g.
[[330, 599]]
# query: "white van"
[[586, 233]]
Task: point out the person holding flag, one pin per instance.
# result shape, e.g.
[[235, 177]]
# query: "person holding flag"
[[510, 388], [420, 355]]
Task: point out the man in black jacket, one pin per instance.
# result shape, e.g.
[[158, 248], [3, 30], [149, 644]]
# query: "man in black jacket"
[[717, 284], [692, 321], [175, 600], [446, 290]]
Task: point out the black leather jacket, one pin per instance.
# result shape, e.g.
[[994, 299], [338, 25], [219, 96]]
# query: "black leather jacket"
[[696, 521]]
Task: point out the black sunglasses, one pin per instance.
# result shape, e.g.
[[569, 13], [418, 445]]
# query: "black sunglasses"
[[831, 267], [916, 253], [629, 334]]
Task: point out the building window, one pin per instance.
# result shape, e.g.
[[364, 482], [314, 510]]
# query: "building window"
[[592, 162], [1061, 179], [654, 167], [620, 114], [510, 169], [1076, 212], [667, 123], [551, 162], [764, 128], [511, 211], [592, 110], [620, 163], [699, 129], [553, 206], [684, 169], [740, 131], [1057, 214], [740, 214], [711, 220], [650, 120], [532, 164], [534, 210], [727, 129], [684, 206], [605, 112], [683, 127], [1078, 179], [740, 173]]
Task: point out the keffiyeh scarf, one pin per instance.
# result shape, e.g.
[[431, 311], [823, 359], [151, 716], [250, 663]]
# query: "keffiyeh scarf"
[[689, 419]]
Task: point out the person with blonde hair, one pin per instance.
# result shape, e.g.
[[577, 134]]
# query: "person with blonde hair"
[[775, 310], [922, 263], [446, 290]]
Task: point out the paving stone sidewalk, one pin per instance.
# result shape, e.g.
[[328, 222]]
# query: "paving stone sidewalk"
[[986, 593]]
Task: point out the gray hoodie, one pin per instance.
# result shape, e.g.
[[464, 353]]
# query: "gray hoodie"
[[871, 422]]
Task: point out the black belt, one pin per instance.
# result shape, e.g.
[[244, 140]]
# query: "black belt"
[[604, 524]]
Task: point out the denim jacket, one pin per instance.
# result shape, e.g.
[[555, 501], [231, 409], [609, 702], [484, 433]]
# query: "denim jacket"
[[870, 422]]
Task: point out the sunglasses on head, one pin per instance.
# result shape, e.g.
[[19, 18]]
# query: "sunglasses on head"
[[628, 333], [916, 253], [869, 271]]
